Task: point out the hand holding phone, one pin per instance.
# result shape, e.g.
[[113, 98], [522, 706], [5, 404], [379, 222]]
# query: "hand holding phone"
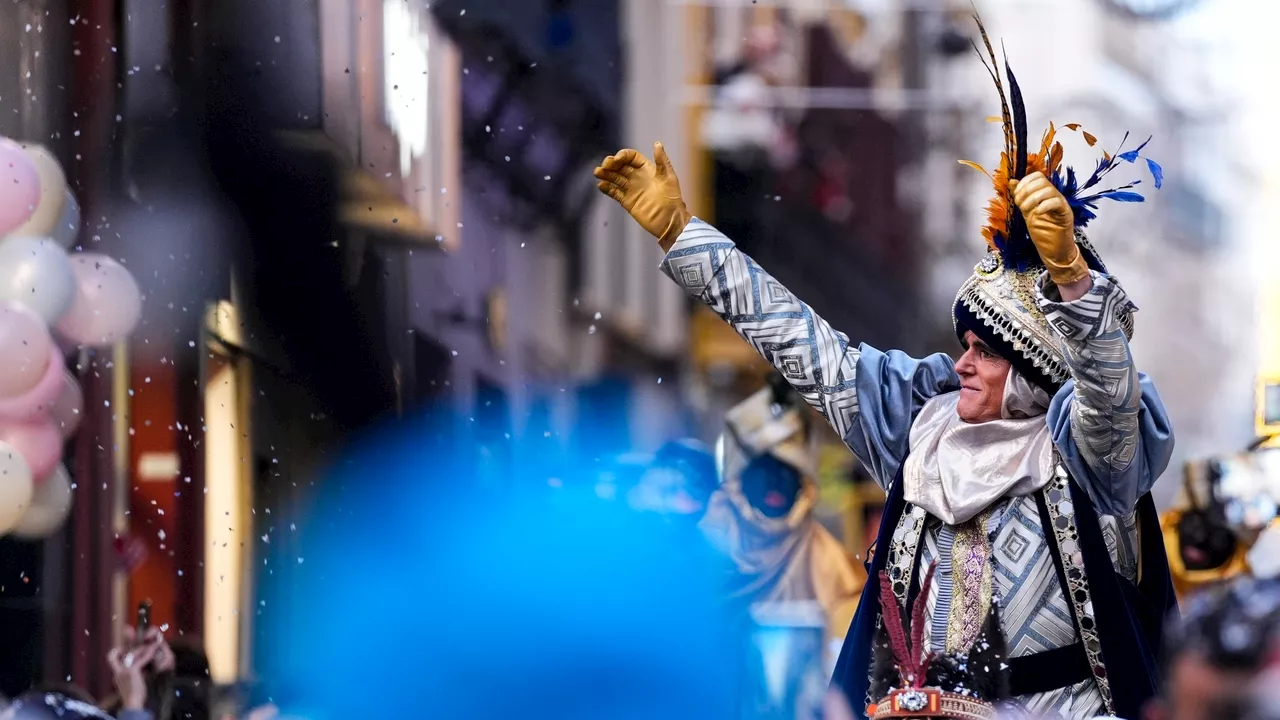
[[143, 624]]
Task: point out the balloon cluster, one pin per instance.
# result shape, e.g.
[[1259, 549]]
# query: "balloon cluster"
[[47, 296]]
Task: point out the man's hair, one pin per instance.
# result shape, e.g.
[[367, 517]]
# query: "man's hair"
[[1233, 626]]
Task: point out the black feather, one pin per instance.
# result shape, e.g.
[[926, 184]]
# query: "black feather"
[[884, 667], [993, 69], [982, 672], [1020, 252], [1019, 111]]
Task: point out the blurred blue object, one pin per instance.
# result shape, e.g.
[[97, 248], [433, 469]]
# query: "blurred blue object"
[[559, 29], [424, 597]]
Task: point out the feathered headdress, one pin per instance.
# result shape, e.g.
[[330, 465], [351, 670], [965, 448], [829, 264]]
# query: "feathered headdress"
[[1006, 230], [913, 683], [999, 302]]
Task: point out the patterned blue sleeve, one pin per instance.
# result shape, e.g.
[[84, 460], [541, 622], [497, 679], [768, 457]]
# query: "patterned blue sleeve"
[[1108, 421], [870, 398]]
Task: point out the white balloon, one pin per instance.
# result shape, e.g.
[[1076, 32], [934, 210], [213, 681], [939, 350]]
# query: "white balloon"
[[68, 409], [16, 487], [50, 505], [67, 229], [53, 192], [107, 302], [25, 349], [37, 273]]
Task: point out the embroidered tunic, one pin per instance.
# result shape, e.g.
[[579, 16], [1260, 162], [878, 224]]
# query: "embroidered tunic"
[[1110, 432]]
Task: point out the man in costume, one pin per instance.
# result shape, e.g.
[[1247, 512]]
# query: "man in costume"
[[1023, 468], [762, 517]]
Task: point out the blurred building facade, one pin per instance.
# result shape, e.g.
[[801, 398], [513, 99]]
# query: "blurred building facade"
[[341, 212]]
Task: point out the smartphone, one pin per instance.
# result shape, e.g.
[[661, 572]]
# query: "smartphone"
[[143, 625]]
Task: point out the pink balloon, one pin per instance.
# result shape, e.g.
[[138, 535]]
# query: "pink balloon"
[[37, 441], [24, 350], [68, 408], [39, 399], [107, 305], [19, 186]]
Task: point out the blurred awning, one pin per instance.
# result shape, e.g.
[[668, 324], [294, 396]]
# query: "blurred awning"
[[366, 204]]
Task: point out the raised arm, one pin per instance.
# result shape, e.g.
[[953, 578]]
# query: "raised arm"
[[1108, 421], [870, 398]]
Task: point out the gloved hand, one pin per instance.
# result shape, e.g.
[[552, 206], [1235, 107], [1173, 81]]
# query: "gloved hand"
[[1052, 227], [649, 191]]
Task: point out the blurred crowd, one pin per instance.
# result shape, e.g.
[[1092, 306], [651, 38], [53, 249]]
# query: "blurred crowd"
[[153, 679]]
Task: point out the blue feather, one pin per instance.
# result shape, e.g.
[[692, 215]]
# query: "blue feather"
[[1070, 187], [1130, 156], [1157, 172], [1120, 196], [1083, 215], [1104, 165]]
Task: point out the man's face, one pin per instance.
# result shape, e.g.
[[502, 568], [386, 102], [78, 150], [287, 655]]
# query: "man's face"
[[982, 377], [1197, 690]]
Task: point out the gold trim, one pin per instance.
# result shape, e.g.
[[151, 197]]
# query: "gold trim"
[[970, 602], [939, 704]]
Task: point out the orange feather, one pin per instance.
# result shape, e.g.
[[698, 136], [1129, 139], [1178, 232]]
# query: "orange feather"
[[975, 166]]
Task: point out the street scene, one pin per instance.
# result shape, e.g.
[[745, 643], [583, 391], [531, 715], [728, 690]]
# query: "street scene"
[[706, 359]]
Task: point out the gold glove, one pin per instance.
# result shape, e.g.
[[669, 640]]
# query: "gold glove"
[[1051, 226], [649, 191]]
